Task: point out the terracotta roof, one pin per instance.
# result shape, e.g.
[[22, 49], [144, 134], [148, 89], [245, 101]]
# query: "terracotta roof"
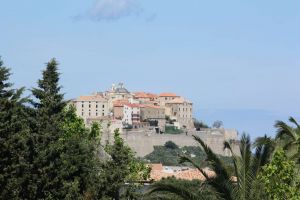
[[178, 101], [168, 95], [91, 98], [120, 102], [158, 167], [144, 95], [157, 173], [134, 105]]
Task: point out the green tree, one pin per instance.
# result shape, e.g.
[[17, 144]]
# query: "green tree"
[[49, 116], [171, 145], [66, 164], [199, 124], [278, 178], [80, 169], [122, 167], [14, 140]]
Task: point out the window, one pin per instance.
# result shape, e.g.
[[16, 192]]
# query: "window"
[[166, 98], [89, 114], [82, 105], [96, 105], [82, 113], [102, 106], [102, 114], [96, 114], [89, 105]]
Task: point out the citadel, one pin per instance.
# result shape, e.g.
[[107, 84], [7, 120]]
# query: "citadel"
[[145, 119]]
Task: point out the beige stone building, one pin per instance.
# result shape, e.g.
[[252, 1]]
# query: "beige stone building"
[[152, 113], [164, 98], [146, 98], [91, 106], [181, 111], [118, 107]]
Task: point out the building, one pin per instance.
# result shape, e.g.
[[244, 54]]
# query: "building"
[[91, 106], [118, 107], [155, 115], [146, 98], [118, 92], [164, 98], [181, 111], [131, 114]]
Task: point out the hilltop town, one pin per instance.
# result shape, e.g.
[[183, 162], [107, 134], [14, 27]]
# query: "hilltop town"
[[136, 110], [146, 120]]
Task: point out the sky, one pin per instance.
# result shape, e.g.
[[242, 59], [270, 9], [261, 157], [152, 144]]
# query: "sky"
[[238, 61]]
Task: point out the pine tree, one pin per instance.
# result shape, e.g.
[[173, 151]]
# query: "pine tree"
[[66, 164], [49, 106], [14, 137]]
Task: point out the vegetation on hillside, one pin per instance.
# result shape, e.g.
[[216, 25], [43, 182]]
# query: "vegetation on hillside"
[[169, 155], [173, 130], [268, 173]]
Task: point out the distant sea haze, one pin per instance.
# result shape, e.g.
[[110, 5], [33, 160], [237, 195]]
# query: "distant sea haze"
[[255, 122]]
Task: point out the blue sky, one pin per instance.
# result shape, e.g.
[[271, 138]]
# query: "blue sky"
[[238, 61]]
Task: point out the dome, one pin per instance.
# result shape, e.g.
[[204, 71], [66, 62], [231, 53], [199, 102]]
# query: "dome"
[[121, 90]]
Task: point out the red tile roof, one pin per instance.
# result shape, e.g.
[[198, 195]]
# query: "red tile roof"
[[144, 95], [157, 173], [120, 102], [134, 105], [168, 95], [178, 101]]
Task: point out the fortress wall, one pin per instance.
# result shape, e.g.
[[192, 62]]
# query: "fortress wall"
[[142, 142]]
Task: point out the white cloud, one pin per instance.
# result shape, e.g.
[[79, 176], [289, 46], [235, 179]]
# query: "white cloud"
[[113, 9]]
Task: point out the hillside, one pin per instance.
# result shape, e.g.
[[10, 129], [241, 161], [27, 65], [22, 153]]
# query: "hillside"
[[169, 155]]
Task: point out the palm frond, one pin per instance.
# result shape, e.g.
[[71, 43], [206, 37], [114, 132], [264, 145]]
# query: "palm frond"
[[264, 147], [284, 130], [234, 159], [222, 179], [293, 120], [184, 158]]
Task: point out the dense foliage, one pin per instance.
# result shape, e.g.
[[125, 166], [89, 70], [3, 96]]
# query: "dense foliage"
[[46, 152], [280, 168], [169, 155]]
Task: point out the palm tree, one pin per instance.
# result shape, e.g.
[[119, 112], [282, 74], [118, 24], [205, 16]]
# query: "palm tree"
[[288, 137], [246, 167]]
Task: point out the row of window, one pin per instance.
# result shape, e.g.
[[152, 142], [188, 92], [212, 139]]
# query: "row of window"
[[185, 109], [90, 106], [82, 114]]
